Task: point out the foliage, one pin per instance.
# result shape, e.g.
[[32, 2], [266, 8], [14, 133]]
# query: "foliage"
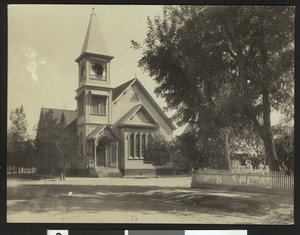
[[255, 159], [157, 152], [193, 151], [28, 154], [67, 147], [18, 128], [284, 144], [46, 151], [17, 144], [187, 153], [247, 145], [56, 145], [223, 67]]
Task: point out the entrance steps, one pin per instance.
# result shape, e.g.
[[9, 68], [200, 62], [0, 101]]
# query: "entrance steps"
[[108, 172]]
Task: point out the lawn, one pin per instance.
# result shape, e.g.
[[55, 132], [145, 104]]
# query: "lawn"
[[139, 200]]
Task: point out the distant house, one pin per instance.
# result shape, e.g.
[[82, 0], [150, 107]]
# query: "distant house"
[[114, 124]]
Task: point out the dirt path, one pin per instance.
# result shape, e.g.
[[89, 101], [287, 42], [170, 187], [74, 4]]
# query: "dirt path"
[[129, 200]]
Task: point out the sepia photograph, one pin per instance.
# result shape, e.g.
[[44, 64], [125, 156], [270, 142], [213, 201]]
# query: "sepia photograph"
[[152, 114]]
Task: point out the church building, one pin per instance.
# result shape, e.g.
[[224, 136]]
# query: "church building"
[[114, 124]]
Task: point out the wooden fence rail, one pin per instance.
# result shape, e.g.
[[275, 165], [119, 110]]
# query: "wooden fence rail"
[[275, 180], [21, 171]]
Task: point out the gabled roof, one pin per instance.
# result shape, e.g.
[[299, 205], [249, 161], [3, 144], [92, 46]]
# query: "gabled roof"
[[69, 115], [56, 113], [94, 40], [95, 133], [120, 89], [125, 120]]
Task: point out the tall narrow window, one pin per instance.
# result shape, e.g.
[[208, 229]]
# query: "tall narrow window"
[[99, 104], [138, 145], [95, 104], [143, 145], [131, 145], [102, 105], [83, 73], [150, 139]]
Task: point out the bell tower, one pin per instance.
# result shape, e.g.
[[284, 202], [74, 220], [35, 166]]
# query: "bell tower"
[[94, 92]]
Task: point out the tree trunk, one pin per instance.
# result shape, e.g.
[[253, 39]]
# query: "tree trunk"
[[64, 171], [49, 172], [227, 152], [156, 171], [267, 133], [270, 152], [224, 161]]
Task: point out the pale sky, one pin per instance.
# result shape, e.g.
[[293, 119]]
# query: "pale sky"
[[44, 41]]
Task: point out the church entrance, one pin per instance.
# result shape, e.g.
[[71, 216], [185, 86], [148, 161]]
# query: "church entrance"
[[102, 151], [106, 152]]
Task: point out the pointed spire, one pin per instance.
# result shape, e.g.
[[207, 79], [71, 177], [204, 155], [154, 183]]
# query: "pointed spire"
[[94, 40]]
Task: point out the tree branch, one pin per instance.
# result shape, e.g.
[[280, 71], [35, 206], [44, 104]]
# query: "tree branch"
[[253, 118], [266, 109]]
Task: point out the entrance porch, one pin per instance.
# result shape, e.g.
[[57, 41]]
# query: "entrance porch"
[[103, 153], [106, 152]]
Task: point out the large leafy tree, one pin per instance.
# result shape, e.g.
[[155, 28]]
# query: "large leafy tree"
[[17, 136], [284, 144], [247, 145], [67, 147], [193, 151], [46, 144], [223, 66], [56, 145]]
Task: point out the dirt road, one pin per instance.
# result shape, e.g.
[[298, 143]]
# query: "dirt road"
[[139, 200]]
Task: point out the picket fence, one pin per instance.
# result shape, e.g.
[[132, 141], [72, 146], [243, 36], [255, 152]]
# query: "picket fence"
[[258, 179], [21, 171]]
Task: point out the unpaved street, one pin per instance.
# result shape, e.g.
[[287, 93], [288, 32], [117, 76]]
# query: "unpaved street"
[[139, 200]]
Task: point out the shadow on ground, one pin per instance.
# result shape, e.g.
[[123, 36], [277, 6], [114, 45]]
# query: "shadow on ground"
[[95, 198]]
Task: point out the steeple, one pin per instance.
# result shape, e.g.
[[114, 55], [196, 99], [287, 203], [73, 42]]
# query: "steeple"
[[94, 92], [94, 41]]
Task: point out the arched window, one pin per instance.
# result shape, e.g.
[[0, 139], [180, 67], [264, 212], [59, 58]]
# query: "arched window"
[[131, 145], [98, 69], [138, 145]]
